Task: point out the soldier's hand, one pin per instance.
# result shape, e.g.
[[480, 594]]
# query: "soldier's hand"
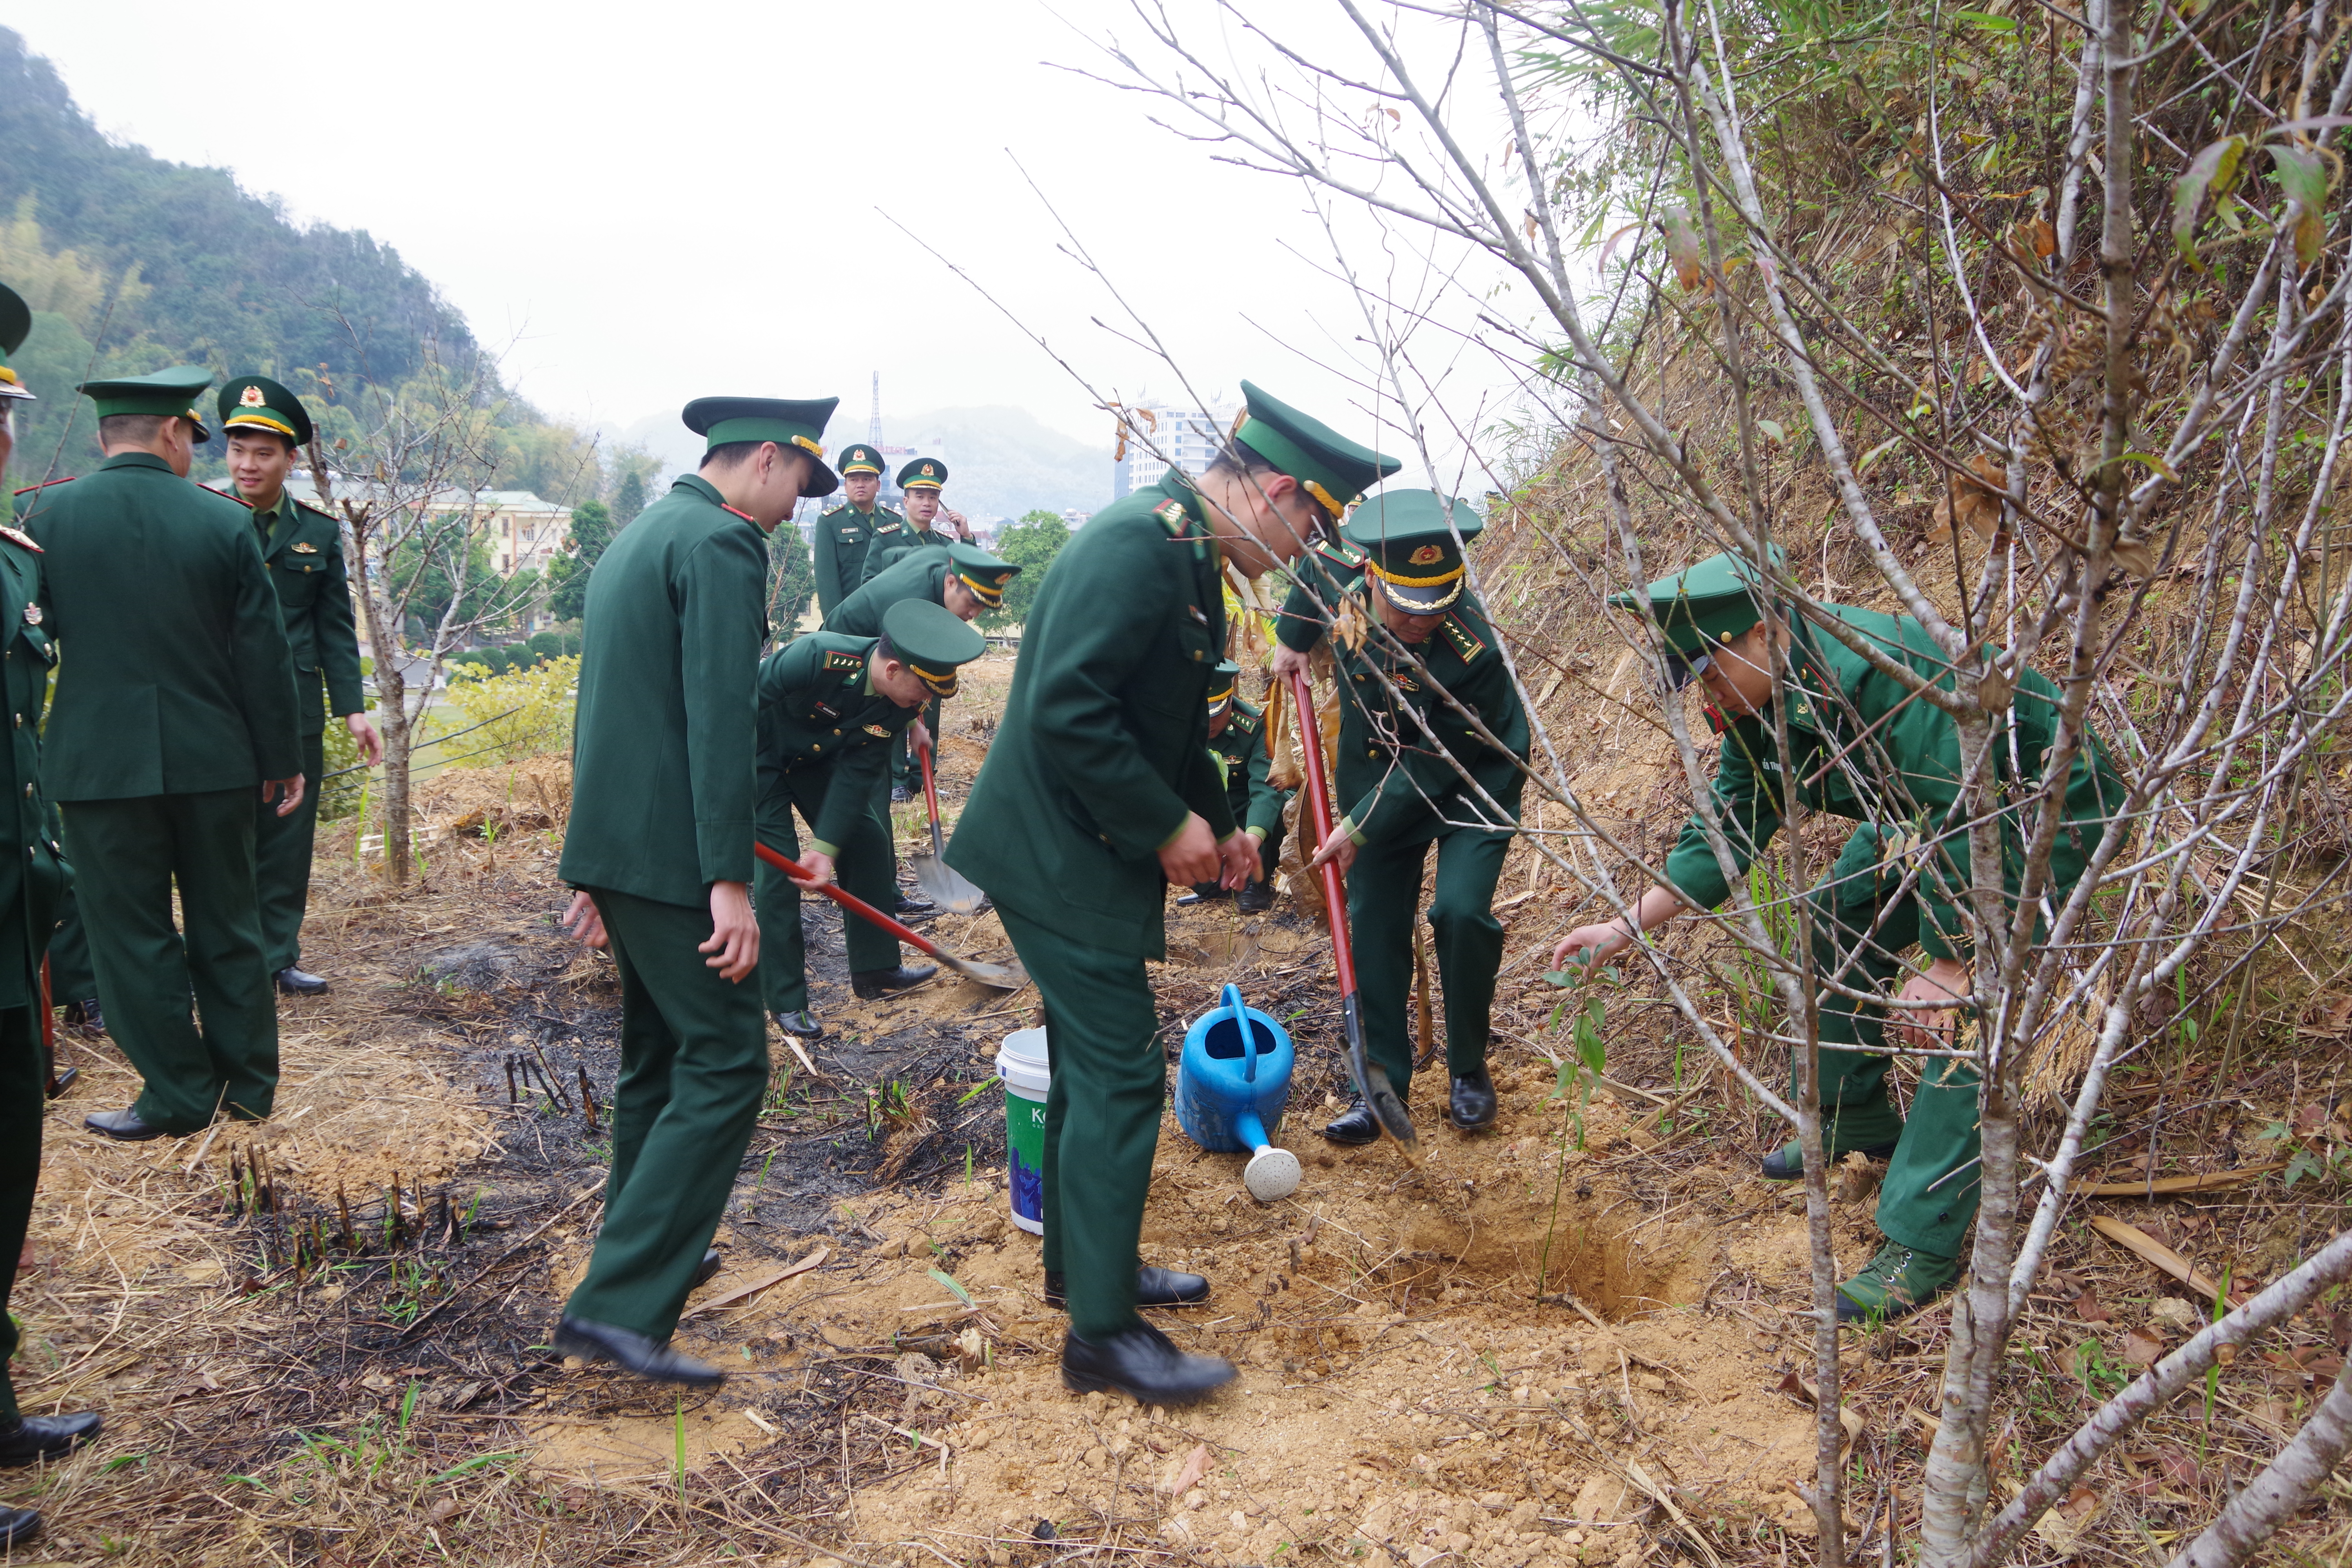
[[1288, 661], [919, 735], [734, 943], [1591, 945], [290, 788], [370, 744], [1340, 850], [1239, 856], [956, 521], [821, 871], [1190, 858], [1946, 980], [585, 920]]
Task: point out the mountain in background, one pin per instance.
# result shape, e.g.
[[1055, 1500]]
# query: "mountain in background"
[[1002, 462], [131, 263]]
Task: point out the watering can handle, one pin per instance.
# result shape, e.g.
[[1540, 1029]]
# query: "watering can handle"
[[1233, 1001]]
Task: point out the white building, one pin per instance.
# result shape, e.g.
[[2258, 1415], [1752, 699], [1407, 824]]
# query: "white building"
[[1159, 434], [522, 530]]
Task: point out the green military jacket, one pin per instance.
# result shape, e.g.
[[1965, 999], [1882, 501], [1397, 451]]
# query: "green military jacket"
[[303, 548], [33, 873], [1241, 756], [176, 679], [818, 709], [1899, 780], [923, 575], [1331, 568], [1387, 767], [844, 537], [888, 550], [662, 753], [1104, 747]]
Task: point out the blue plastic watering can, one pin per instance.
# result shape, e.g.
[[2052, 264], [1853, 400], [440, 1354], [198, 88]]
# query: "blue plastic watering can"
[[1232, 1082]]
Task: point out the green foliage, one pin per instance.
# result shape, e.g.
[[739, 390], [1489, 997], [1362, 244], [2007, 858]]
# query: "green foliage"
[[341, 780], [792, 579], [1031, 544], [431, 565], [522, 713], [628, 499]]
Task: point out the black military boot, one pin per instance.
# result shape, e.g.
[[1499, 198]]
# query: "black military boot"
[[802, 1024], [1153, 1288], [1354, 1125], [300, 982], [1255, 899], [875, 983], [1471, 1105], [1144, 1364]]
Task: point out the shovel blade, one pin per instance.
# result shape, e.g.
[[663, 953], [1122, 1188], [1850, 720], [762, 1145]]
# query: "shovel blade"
[[1381, 1097], [998, 976], [946, 887]]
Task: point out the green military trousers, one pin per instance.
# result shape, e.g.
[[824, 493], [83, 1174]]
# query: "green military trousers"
[[1384, 898], [1862, 921], [281, 854], [72, 977], [694, 1070], [1102, 1117], [22, 1099], [128, 856], [865, 868]]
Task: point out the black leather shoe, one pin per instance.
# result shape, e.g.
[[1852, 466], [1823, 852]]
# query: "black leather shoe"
[[875, 983], [1144, 1364], [299, 983], [633, 1352], [37, 1438], [126, 1124], [85, 1015], [803, 1023], [900, 794], [18, 1525], [1153, 1288], [1787, 1163], [1354, 1125], [915, 904], [1201, 893], [704, 1271], [62, 1083], [1471, 1105], [1255, 899]]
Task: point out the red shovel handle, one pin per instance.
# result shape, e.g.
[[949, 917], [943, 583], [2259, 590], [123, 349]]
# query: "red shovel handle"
[[930, 790], [1318, 802], [855, 905]]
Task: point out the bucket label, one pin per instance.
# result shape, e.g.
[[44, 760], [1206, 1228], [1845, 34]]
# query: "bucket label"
[[1025, 1146]]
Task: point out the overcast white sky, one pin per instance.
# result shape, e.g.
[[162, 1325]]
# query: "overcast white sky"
[[650, 204]]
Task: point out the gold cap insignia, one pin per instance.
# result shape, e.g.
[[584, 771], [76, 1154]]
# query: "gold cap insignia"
[[1427, 555], [1002, 578], [251, 398]]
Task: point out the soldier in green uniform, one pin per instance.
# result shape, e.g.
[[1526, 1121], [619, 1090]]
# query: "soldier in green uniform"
[[830, 707], [1402, 795], [1098, 792], [847, 532], [266, 427], [175, 703], [660, 846], [970, 582], [32, 878], [920, 482], [1721, 626], [1237, 740]]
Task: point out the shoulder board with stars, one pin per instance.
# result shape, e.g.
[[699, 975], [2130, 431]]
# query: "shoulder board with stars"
[[45, 484], [831, 509], [228, 495], [1172, 517], [1244, 722], [837, 660], [1466, 643], [19, 538], [1341, 552], [886, 528]]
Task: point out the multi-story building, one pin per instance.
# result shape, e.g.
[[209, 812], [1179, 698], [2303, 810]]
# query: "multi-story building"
[[522, 530], [1157, 435]]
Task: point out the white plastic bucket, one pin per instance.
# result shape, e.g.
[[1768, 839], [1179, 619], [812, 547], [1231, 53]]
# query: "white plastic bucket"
[[1021, 1063]]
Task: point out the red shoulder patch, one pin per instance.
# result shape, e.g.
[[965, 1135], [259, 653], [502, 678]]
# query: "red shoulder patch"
[[746, 516], [230, 495], [45, 484]]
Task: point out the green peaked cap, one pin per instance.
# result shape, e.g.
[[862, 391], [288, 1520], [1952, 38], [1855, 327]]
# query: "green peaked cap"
[[169, 393], [16, 326], [860, 458], [932, 641], [1713, 601], [1221, 681], [981, 572], [259, 402], [1409, 539], [923, 473], [1335, 471], [788, 422]]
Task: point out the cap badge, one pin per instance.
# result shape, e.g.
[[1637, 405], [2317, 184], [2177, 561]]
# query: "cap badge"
[[1427, 555], [251, 398]]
